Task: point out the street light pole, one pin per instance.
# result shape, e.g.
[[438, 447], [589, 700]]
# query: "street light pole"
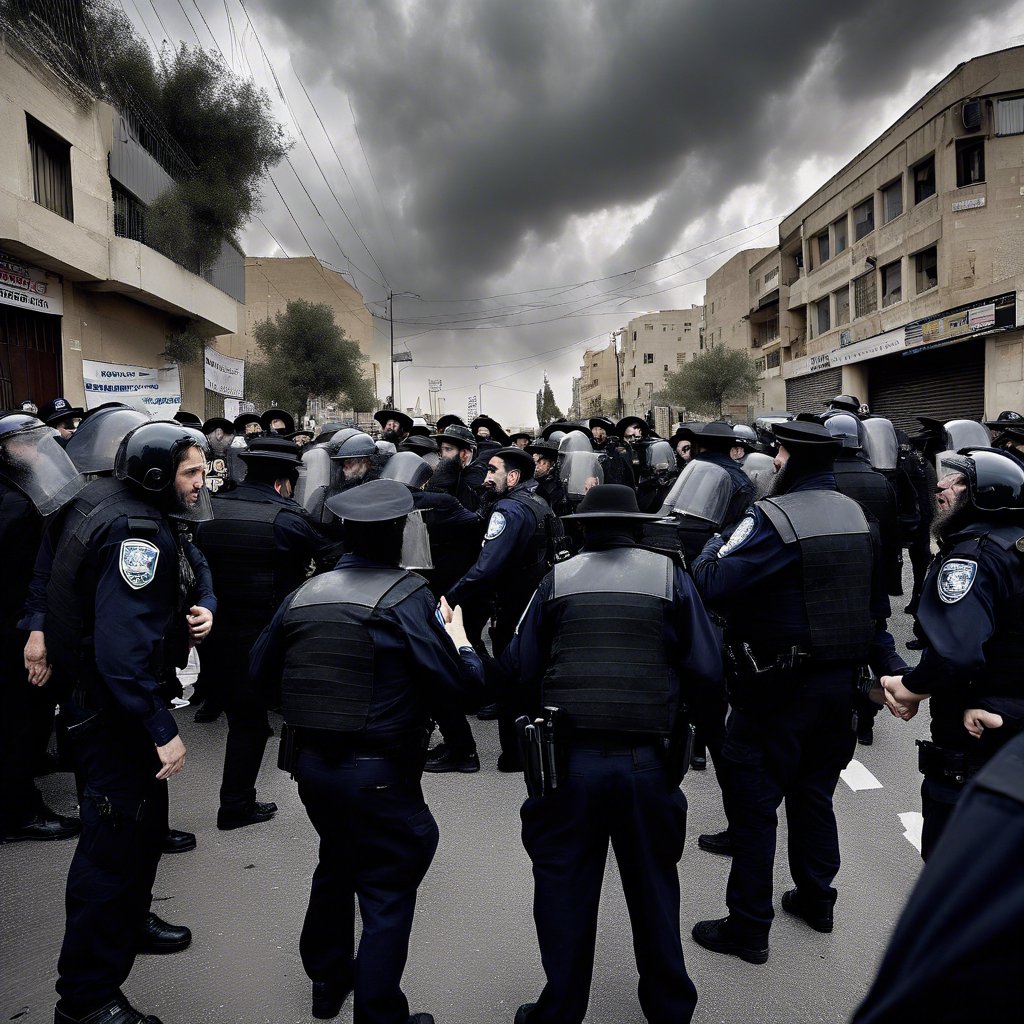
[[391, 321]]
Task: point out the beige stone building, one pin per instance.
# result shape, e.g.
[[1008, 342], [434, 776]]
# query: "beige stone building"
[[653, 346], [76, 283], [900, 279], [598, 393]]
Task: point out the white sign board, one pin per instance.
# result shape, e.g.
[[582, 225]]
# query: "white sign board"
[[28, 287], [223, 375], [156, 390]]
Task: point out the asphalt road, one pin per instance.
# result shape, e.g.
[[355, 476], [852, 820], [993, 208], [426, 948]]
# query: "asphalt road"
[[473, 956]]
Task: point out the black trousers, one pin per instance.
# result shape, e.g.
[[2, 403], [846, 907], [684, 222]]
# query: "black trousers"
[[624, 797], [938, 801], [124, 822], [793, 752], [377, 840]]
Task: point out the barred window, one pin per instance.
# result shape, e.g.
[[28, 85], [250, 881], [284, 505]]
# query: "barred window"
[[865, 295]]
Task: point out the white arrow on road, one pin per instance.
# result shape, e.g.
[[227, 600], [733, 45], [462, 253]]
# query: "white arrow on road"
[[857, 777]]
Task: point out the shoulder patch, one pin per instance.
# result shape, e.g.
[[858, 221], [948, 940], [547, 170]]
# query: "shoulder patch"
[[956, 578], [495, 525], [138, 562], [743, 530]]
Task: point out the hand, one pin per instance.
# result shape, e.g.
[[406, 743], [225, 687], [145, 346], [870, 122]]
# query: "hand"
[[36, 665], [901, 702], [200, 622], [446, 610], [455, 629], [172, 757], [977, 721]]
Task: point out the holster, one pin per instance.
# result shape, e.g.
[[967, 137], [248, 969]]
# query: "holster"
[[287, 752], [954, 767], [755, 682], [678, 750]]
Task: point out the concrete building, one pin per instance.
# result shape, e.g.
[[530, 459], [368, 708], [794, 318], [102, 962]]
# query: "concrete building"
[[653, 346], [598, 392], [900, 279], [76, 281]]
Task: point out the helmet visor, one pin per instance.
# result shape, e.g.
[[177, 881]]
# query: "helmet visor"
[[32, 461], [95, 443], [703, 490]]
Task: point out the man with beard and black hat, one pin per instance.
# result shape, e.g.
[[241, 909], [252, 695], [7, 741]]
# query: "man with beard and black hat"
[[248, 424], [610, 649], [804, 610], [220, 432], [488, 431], [277, 421], [458, 473], [616, 462], [968, 619], [357, 659], [545, 473], [518, 545], [521, 438], [395, 425]]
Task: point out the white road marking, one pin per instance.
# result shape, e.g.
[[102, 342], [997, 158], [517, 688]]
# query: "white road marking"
[[857, 777], [912, 822]]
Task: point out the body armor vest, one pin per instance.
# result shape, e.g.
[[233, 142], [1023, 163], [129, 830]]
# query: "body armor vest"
[[329, 666], [532, 566], [609, 669], [835, 554], [71, 589], [867, 487]]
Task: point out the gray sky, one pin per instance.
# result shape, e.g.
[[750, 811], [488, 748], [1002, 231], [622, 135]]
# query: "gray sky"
[[541, 171]]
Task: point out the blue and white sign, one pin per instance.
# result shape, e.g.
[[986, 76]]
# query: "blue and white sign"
[[157, 390]]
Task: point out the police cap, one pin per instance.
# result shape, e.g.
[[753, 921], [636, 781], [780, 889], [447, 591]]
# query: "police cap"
[[376, 501], [56, 410]]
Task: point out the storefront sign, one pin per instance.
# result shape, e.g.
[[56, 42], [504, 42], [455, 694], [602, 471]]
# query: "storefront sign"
[[158, 390], [28, 287], [879, 345], [995, 314], [223, 375]]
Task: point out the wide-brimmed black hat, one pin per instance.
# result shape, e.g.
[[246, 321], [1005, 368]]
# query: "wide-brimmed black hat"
[[404, 420], [545, 449], [376, 501], [58, 409], [601, 421], [457, 434], [301, 432], [717, 435], [848, 402], [419, 444], [632, 421], [278, 414], [518, 434], [610, 501], [186, 419], [563, 425], [1008, 418], [218, 422], [516, 458], [445, 421], [243, 419], [497, 431], [274, 448], [797, 435]]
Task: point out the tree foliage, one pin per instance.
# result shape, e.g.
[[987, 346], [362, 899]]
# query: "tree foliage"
[[306, 355], [547, 408], [716, 375]]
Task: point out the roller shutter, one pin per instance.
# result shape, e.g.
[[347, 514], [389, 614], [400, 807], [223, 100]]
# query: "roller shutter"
[[945, 383], [810, 392]]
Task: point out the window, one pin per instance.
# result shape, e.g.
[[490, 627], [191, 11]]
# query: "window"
[[842, 298], [839, 234], [648, 358], [970, 161], [666, 367], [924, 179], [771, 275], [822, 313], [680, 358], [822, 241], [892, 200], [687, 328], [1010, 116], [926, 269], [865, 297], [773, 359], [892, 290], [863, 219], [51, 169], [648, 327]]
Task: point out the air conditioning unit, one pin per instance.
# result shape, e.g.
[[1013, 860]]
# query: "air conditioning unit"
[[971, 113]]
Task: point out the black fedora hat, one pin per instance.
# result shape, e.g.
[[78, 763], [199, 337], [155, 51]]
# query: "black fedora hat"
[[515, 458], [717, 435], [457, 434], [244, 419], [218, 423], [278, 414], [563, 425], [610, 501], [445, 421], [187, 419], [632, 421], [376, 501], [545, 449], [497, 432], [404, 420], [798, 435], [849, 403], [418, 443], [525, 434], [273, 448], [601, 421], [1009, 418]]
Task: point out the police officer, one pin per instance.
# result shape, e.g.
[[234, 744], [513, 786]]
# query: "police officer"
[[968, 619], [60, 414], [614, 638], [357, 458], [712, 443], [517, 547], [118, 589], [357, 719], [34, 474], [259, 546], [794, 663]]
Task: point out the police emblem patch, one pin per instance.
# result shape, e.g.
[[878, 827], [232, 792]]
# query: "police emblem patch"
[[495, 525], [138, 562], [743, 530], [955, 579]]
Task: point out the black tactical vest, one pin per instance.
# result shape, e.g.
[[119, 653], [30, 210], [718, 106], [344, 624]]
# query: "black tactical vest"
[[1004, 652], [867, 487], [329, 666], [71, 589], [251, 576], [609, 669], [525, 575], [835, 554]]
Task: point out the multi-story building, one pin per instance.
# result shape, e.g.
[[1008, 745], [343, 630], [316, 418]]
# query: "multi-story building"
[[77, 283], [653, 346], [900, 279], [598, 390]]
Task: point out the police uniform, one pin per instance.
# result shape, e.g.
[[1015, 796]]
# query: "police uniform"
[[120, 586], [614, 638], [795, 584], [359, 658], [259, 547]]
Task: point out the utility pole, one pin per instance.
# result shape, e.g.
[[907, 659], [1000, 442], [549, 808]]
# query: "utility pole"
[[618, 374], [391, 321]]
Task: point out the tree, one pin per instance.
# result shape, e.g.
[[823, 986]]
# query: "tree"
[[703, 385], [306, 355], [547, 410]]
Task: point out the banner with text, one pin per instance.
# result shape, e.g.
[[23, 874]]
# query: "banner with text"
[[223, 375], [156, 390], [28, 287]]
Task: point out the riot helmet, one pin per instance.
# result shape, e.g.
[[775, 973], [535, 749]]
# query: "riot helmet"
[[845, 427], [966, 434], [881, 445], [32, 460], [760, 470], [95, 444], [356, 445], [407, 468], [385, 449], [702, 490], [579, 472], [574, 441], [658, 457], [995, 478], [313, 485]]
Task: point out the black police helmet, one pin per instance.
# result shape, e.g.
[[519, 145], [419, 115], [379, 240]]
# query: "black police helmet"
[[13, 421], [844, 427], [995, 478], [356, 446], [148, 456]]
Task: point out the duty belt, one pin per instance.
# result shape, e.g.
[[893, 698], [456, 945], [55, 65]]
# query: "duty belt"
[[944, 764]]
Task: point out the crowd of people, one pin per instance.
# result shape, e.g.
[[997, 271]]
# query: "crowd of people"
[[598, 590]]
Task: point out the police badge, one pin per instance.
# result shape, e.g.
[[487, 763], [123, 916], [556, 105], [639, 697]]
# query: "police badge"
[[955, 579], [495, 525], [138, 562]]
